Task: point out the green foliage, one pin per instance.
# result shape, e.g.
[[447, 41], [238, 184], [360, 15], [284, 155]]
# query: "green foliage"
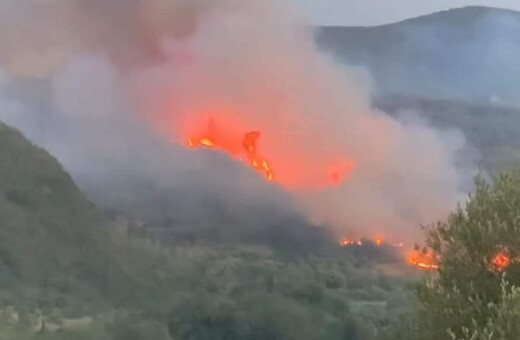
[[137, 328], [275, 317], [205, 317], [471, 298], [56, 248], [64, 266], [504, 323]]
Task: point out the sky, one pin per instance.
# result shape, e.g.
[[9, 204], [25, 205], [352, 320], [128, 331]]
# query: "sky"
[[377, 12]]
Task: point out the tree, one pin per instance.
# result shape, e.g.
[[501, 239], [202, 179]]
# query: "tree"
[[478, 249], [205, 317], [273, 317], [137, 328]]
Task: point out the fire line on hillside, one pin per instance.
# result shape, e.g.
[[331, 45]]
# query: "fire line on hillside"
[[292, 172], [426, 259]]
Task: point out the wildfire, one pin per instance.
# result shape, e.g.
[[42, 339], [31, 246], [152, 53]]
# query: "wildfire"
[[249, 147], [345, 242], [501, 261], [378, 241], [428, 260], [423, 260], [292, 171], [256, 161]]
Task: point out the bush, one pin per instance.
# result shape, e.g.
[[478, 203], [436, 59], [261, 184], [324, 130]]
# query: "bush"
[[137, 328], [469, 292]]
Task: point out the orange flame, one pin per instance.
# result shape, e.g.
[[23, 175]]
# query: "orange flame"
[[423, 260], [249, 143], [378, 241], [257, 162], [501, 261], [344, 242], [296, 172], [201, 142]]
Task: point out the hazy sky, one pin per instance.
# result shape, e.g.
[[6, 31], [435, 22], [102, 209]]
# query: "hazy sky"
[[375, 12]]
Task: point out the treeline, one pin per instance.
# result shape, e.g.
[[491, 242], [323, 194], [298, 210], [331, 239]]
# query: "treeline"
[[243, 293]]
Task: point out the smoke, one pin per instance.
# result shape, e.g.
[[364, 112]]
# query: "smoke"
[[112, 88]]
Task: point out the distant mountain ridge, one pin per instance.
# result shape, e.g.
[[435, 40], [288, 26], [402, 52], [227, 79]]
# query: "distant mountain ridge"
[[491, 131], [469, 53]]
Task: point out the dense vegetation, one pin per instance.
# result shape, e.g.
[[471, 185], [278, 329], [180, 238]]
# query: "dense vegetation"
[[69, 272], [476, 294]]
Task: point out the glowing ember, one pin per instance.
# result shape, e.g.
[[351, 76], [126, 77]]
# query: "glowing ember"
[[346, 242], [423, 260], [501, 261], [378, 241]]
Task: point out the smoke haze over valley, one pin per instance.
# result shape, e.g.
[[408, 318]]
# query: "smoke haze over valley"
[[118, 90], [223, 169]]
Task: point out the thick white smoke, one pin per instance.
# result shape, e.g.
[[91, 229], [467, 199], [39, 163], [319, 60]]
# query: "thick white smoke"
[[115, 91]]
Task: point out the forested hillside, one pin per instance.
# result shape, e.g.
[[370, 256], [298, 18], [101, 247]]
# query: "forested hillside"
[[70, 272], [59, 258]]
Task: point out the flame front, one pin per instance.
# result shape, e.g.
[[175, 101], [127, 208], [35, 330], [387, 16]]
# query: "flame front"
[[378, 241], [257, 162], [249, 143], [227, 134], [426, 259], [423, 260]]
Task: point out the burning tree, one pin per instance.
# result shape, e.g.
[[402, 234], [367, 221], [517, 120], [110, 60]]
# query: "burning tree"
[[478, 248]]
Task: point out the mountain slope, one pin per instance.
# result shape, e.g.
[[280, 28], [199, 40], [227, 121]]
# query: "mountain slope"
[[491, 131], [469, 53], [60, 259], [56, 249], [39, 205]]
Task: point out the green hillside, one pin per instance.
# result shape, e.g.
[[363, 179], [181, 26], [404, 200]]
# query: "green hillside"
[[46, 224], [67, 272], [58, 255]]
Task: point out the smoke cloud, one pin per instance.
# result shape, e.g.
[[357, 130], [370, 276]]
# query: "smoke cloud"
[[112, 89]]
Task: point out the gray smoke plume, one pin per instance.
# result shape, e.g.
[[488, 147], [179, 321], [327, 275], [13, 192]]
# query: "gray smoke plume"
[[109, 86]]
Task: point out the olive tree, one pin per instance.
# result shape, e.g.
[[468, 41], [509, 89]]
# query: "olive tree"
[[474, 294]]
